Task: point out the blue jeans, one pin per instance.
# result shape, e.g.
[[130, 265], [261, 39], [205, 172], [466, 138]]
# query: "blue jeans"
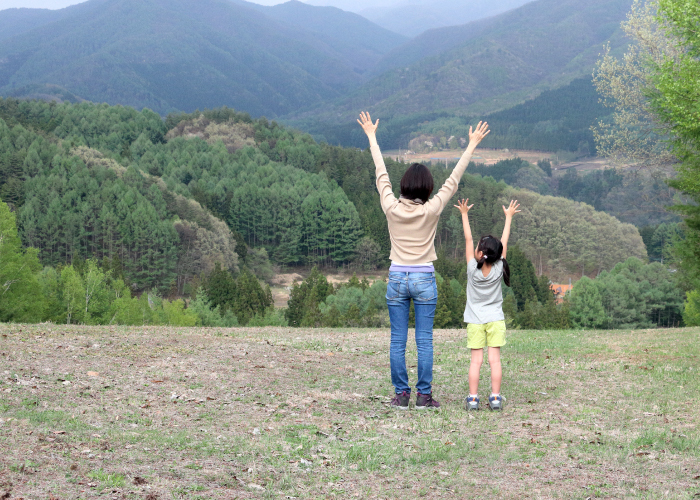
[[422, 288]]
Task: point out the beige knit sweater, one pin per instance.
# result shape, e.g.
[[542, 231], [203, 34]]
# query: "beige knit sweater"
[[412, 226]]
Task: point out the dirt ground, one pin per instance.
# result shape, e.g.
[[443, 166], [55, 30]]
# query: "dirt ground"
[[156, 413]]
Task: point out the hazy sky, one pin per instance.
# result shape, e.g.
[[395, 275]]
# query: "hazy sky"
[[59, 4]]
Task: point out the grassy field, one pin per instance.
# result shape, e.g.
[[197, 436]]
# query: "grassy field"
[[157, 413]]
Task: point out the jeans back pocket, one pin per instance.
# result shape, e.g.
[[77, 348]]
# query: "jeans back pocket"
[[424, 290], [393, 290]]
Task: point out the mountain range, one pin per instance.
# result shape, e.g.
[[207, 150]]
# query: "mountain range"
[[311, 66], [179, 55], [412, 17], [488, 65]]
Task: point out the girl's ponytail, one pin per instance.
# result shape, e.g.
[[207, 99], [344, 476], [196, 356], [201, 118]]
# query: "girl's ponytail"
[[506, 272], [491, 251]]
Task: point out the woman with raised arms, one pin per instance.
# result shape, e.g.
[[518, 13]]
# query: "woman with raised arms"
[[412, 221]]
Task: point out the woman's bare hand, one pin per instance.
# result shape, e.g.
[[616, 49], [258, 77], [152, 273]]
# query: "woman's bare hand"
[[512, 208], [463, 206], [366, 122], [475, 137]]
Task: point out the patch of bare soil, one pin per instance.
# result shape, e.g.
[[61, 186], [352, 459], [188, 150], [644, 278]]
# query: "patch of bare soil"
[[155, 413], [485, 156], [584, 165], [282, 283], [286, 280]]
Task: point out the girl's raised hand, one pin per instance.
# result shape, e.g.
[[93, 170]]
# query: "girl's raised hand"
[[475, 137], [365, 122], [463, 206], [512, 208]]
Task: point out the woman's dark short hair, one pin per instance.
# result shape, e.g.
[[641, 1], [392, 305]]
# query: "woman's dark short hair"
[[417, 182]]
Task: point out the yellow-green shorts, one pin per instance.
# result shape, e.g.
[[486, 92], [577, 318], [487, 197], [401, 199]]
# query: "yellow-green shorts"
[[489, 334]]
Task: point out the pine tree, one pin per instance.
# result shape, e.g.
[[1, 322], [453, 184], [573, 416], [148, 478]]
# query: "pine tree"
[[523, 280], [221, 289], [304, 300], [587, 305]]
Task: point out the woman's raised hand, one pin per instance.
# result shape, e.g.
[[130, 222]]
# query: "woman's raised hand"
[[366, 122], [475, 137], [463, 206], [512, 208]]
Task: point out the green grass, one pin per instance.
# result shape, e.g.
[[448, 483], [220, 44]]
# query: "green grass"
[[108, 480]]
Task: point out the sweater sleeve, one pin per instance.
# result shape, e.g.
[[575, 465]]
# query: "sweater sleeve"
[[437, 204], [386, 194]]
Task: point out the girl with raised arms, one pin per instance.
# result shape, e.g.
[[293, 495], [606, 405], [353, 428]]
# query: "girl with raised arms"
[[487, 267]]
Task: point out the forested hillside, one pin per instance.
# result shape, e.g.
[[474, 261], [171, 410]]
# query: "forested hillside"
[[100, 182], [94, 181], [556, 120], [179, 55], [120, 201]]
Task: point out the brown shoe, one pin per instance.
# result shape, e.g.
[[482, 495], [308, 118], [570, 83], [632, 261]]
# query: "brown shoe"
[[424, 401], [400, 401]]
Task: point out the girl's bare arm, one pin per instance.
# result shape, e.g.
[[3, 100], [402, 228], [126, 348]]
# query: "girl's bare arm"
[[510, 212], [464, 208]]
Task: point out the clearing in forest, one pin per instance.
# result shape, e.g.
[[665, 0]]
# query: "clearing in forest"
[[156, 413]]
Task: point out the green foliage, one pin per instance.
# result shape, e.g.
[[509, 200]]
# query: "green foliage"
[[271, 317], [259, 263], [562, 237], [691, 309], [356, 305], [73, 293], [510, 308], [175, 314], [251, 298], [660, 240], [220, 288], [592, 188], [640, 295], [49, 283], [134, 311], [523, 279], [674, 99], [20, 293], [449, 312], [631, 295], [208, 316], [243, 297], [587, 305], [303, 308], [635, 197]]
